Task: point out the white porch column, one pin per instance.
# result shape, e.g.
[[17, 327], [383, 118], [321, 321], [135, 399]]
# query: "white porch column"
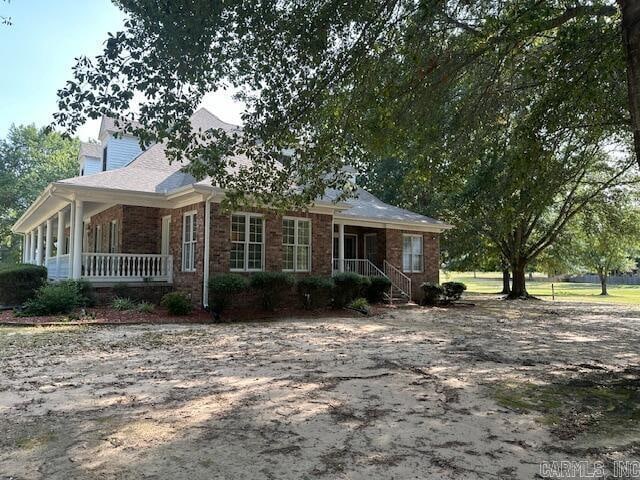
[[77, 239], [48, 242], [72, 215], [341, 247], [60, 237], [32, 249], [40, 247], [26, 248]]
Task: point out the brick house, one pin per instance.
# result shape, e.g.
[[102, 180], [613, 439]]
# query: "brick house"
[[132, 217]]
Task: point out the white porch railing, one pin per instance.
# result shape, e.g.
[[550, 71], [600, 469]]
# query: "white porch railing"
[[58, 268], [398, 279], [105, 267], [361, 266]]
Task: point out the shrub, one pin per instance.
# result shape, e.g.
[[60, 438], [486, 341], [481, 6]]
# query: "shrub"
[[146, 307], [177, 303], [360, 304], [452, 291], [19, 283], [348, 286], [315, 292], [271, 287], [122, 304], [432, 293], [222, 288], [53, 299], [378, 287], [87, 292]]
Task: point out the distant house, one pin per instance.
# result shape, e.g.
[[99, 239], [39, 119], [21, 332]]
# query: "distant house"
[[131, 216]]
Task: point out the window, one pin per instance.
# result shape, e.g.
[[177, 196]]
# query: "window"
[[104, 159], [97, 239], [113, 236], [247, 242], [412, 253], [296, 240], [189, 242]]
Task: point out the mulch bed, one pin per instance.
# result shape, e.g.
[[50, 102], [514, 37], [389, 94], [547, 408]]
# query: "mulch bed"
[[108, 316]]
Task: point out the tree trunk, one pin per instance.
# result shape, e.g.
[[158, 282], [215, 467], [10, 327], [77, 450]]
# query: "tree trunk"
[[603, 285], [631, 37], [519, 284], [506, 281]]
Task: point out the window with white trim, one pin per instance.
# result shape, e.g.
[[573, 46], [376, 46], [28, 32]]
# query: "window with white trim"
[[189, 242], [296, 242], [247, 242], [97, 239], [412, 253], [113, 236]]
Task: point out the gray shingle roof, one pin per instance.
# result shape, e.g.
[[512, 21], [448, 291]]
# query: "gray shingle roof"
[[88, 149], [151, 172], [366, 206]]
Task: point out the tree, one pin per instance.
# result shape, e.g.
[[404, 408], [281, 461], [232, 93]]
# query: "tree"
[[338, 80], [30, 159], [420, 82], [609, 237]]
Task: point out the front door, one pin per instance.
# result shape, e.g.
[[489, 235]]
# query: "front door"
[[350, 246], [371, 247]]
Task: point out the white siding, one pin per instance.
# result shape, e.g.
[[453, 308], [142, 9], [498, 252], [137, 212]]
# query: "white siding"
[[121, 151], [91, 165]]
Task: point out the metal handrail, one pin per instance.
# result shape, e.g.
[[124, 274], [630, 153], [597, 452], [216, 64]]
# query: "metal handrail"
[[399, 280]]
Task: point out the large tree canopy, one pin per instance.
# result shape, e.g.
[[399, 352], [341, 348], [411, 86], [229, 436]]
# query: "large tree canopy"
[[30, 159], [508, 107], [338, 79]]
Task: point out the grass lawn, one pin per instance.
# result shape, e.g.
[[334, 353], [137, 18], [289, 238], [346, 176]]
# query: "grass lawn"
[[491, 282]]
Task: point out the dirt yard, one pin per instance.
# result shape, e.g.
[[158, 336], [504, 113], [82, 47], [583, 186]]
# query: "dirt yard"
[[484, 392]]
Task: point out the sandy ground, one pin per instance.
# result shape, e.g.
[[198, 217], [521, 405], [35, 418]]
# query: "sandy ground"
[[407, 394]]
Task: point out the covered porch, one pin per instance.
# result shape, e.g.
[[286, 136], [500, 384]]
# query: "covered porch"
[[75, 243], [362, 248]]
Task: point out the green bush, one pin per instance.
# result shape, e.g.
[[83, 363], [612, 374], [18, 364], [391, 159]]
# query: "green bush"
[[378, 287], [177, 303], [146, 307], [452, 291], [270, 287], [19, 283], [348, 286], [87, 292], [432, 293], [360, 304], [122, 304], [315, 292], [222, 288], [53, 299]]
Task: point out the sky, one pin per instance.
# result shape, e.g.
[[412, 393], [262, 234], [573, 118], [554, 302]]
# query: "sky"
[[38, 50]]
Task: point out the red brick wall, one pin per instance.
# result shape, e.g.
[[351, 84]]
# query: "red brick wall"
[[103, 219], [141, 229], [220, 244], [431, 260], [188, 282], [138, 229]]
